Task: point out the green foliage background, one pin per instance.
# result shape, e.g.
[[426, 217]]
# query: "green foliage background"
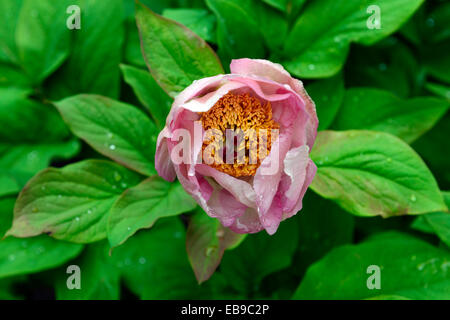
[[80, 113]]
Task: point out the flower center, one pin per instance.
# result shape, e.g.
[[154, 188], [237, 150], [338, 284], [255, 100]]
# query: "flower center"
[[241, 134]]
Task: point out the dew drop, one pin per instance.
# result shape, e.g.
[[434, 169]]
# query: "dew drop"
[[311, 67], [112, 147], [11, 257], [129, 228], [142, 260], [117, 176], [89, 211], [177, 235], [123, 185], [220, 233], [209, 251], [77, 218], [413, 198], [109, 135], [430, 22], [388, 160]]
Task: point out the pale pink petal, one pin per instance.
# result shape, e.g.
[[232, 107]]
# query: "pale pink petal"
[[239, 188], [265, 182], [247, 223], [163, 163], [276, 72], [224, 206], [295, 164], [206, 102], [311, 170]]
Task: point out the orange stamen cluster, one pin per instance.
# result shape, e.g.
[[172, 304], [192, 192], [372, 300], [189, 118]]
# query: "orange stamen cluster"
[[241, 113]]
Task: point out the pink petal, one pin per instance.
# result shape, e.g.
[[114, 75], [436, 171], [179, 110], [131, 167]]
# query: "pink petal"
[[295, 164], [311, 170], [247, 223], [239, 188], [266, 185], [224, 206], [163, 163], [276, 72]]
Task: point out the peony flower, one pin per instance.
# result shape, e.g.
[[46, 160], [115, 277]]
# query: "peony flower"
[[266, 173]]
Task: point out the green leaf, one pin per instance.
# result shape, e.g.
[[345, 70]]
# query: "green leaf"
[[7, 288], [42, 38], [437, 61], [149, 93], [174, 54], [319, 41], [437, 222], [141, 206], [6, 214], [200, 21], [206, 241], [439, 90], [322, 226], [258, 256], [32, 134], [327, 95], [11, 76], [115, 129], [430, 147], [18, 163], [132, 51], [389, 65], [9, 14], [372, 173], [232, 19], [154, 263], [71, 203], [96, 51], [263, 26], [31, 255], [291, 7], [100, 278], [383, 111], [423, 269]]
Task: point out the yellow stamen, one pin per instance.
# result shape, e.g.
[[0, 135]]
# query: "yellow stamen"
[[241, 113]]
